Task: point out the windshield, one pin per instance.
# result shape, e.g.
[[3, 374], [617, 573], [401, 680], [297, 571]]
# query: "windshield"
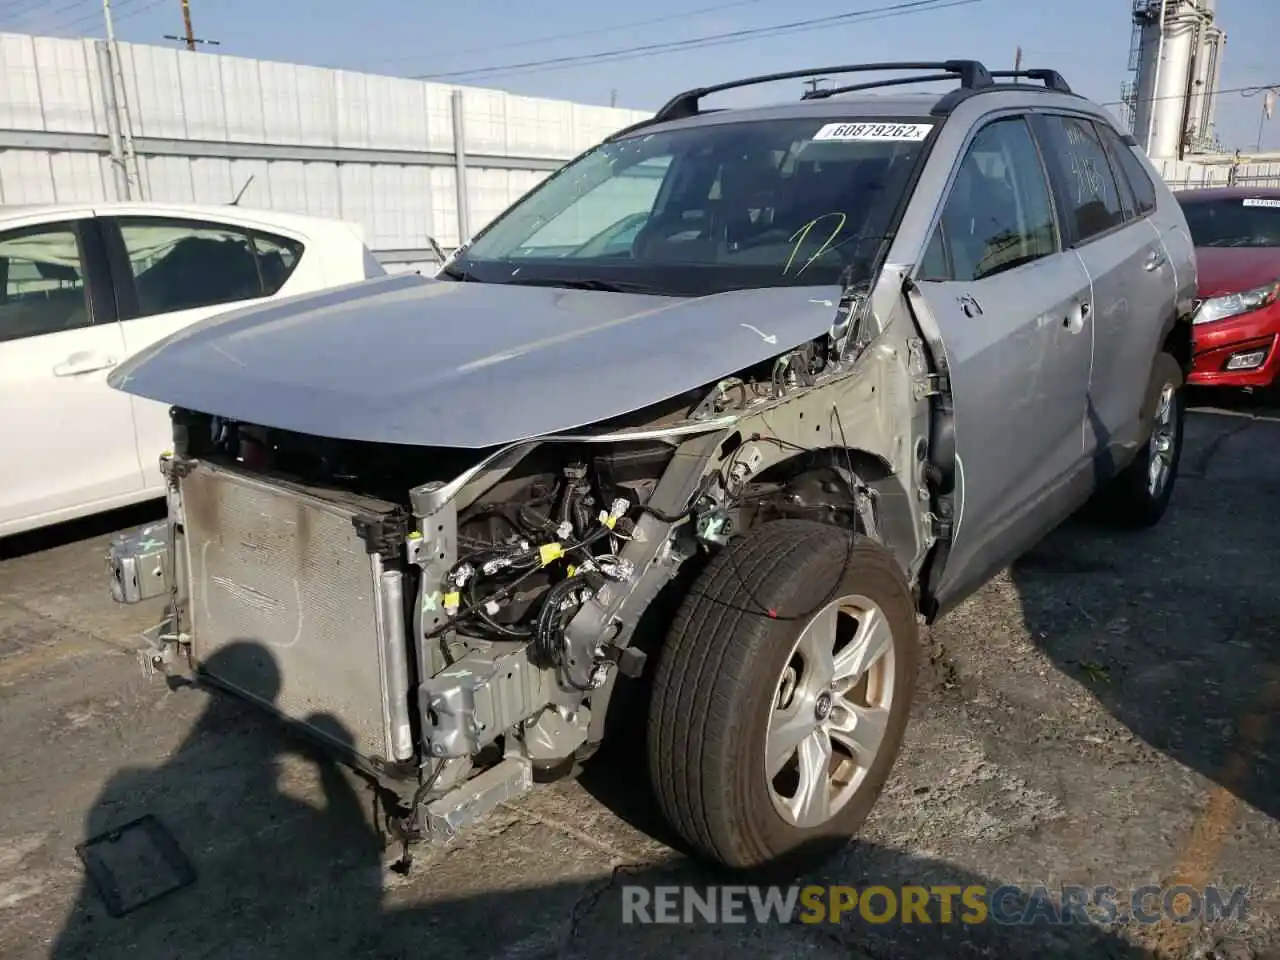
[[1241, 222], [709, 208]]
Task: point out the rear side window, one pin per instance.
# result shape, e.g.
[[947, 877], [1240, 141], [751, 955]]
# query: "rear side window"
[[183, 264], [998, 215], [1131, 168], [42, 273], [1093, 200]]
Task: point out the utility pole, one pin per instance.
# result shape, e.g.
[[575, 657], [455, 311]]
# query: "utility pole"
[[1017, 60], [121, 97], [189, 35], [1268, 110]]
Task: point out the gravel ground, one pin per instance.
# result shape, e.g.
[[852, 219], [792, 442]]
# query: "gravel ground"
[[1097, 715]]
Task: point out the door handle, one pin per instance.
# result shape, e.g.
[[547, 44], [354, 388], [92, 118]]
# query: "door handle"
[[970, 305], [1074, 320], [1156, 260], [81, 363]]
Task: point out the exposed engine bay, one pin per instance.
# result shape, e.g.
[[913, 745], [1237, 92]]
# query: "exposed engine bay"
[[454, 621]]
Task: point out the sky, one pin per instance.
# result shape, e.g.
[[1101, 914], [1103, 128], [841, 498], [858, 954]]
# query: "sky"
[[1085, 40]]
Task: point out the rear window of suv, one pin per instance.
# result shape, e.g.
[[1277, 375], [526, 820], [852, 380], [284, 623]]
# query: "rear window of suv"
[[712, 207]]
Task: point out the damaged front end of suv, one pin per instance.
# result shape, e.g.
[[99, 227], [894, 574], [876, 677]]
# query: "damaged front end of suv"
[[431, 521]]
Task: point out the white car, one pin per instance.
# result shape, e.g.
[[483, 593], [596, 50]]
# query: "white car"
[[87, 285]]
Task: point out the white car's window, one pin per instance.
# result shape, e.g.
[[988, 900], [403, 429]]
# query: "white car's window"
[[998, 214], [43, 277], [277, 257], [181, 265]]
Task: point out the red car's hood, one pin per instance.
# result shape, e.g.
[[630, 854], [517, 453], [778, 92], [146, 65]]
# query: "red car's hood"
[[1236, 269]]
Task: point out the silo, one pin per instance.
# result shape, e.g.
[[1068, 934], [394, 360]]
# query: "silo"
[[1178, 56], [1207, 67], [1181, 29], [1147, 18]]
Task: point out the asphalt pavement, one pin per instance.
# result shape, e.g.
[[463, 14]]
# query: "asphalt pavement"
[[1104, 713]]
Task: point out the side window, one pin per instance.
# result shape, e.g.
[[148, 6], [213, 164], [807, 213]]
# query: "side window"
[[1144, 191], [277, 259], [998, 214], [178, 265], [1093, 201], [43, 275], [1128, 205]]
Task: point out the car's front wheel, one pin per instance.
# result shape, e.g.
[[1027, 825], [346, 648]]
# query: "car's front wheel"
[[782, 695]]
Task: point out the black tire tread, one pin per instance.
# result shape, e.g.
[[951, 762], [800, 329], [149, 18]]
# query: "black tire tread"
[[1125, 501], [708, 656]]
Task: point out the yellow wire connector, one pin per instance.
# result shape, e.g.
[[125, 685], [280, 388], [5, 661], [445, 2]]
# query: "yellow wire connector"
[[452, 601], [550, 553]]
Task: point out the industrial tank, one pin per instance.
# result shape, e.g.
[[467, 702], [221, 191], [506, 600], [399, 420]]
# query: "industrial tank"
[[1177, 56]]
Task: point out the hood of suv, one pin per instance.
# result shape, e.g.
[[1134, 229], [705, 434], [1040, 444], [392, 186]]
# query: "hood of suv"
[[407, 359]]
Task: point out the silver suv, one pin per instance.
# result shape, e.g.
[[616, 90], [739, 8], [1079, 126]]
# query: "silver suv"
[[715, 416]]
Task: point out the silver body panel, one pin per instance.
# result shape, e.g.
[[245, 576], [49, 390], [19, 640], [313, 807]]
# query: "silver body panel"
[[412, 360], [1038, 407]]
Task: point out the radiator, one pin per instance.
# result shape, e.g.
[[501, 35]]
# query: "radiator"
[[289, 609]]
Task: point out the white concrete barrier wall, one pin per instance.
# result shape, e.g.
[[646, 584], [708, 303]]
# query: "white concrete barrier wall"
[[377, 150]]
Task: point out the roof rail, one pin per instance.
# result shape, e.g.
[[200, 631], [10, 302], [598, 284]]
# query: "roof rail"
[[973, 76], [873, 84], [1052, 79]]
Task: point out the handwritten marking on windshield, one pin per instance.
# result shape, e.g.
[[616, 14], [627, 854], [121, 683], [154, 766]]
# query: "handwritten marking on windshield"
[[799, 237], [766, 337]]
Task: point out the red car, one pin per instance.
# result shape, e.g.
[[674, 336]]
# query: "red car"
[[1236, 231]]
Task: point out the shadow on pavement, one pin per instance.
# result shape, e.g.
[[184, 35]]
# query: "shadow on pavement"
[[278, 877], [1176, 629], [271, 870]]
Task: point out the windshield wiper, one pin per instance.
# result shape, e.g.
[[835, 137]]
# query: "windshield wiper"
[[456, 273], [587, 283]]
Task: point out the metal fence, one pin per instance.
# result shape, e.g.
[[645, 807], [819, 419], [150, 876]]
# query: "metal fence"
[[83, 121], [1197, 175]]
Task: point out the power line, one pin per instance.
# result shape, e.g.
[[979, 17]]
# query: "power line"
[[708, 40], [595, 31], [51, 11], [117, 5], [1245, 91], [54, 12]]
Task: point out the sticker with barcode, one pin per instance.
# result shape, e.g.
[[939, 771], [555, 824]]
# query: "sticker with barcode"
[[1260, 202], [874, 131]]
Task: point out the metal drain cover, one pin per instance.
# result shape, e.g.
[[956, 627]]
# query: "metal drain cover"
[[135, 864]]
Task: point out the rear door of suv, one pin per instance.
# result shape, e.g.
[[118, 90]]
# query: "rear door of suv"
[[1131, 278]]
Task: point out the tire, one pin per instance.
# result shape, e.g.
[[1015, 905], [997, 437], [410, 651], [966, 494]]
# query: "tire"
[[1129, 500], [717, 685]]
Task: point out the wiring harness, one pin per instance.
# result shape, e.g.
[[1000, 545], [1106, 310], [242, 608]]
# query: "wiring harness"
[[565, 552]]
